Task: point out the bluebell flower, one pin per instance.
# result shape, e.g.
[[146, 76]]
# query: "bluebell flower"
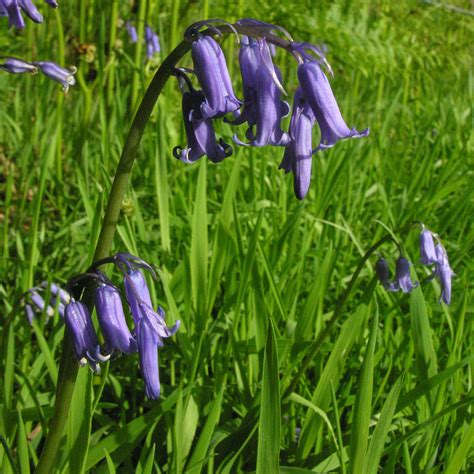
[[402, 277], [35, 302], [200, 133], [18, 66], [319, 95], [110, 314], [298, 153], [210, 68], [382, 271], [83, 336], [152, 42], [39, 302], [427, 248], [58, 73], [264, 89], [150, 329], [132, 31], [13, 10], [444, 273]]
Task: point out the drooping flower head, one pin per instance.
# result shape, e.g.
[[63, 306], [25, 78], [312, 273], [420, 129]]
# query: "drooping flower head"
[[199, 129], [382, 271], [108, 304], [55, 297], [83, 336], [427, 248], [64, 76], [150, 325], [13, 10], [444, 273], [318, 93], [18, 66], [402, 279], [298, 153], [211, 70], [264, 104]]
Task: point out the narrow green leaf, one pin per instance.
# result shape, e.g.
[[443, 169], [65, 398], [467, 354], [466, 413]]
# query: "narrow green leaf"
[[268, 451], [202, 447], [377, 442], [22, 446], [148, 469], [459, 457], [45, 349], [79, 422], [362, 407]]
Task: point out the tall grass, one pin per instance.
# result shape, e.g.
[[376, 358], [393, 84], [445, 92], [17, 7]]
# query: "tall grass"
[[253, 274]]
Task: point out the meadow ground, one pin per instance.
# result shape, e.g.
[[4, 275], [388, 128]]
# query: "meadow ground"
[[389, 385]]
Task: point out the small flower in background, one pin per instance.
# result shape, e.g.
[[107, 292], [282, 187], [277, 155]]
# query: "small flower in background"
[[402, 279], [35, 303], [211, 70], [64, 76], [382, 271], [427, 248], [132, 31], [84, 338], [13, 10], [152, 42], [444, 273], [298, 153]]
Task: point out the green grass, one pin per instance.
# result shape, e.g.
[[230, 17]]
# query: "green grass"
[[252, 273]]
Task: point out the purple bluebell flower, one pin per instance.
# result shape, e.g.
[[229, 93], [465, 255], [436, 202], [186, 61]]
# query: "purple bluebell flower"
[[63, 295], [11, 8], [200, 133], [298, 153], [268, 108], [150, 329], [382, 271], [112, 321], [132, 31], [31, 11], [444, 273], [152, 42], [210, 68], [402, 277], [319, 95], [58, 73], [84, 338], [427, 248], [18, 66], [52, 3], [30, 313]]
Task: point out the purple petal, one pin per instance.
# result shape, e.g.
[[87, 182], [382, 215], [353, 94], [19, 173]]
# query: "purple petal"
[[444, 273], [318, 93], [29, 8], [148, 348], [137, 292], [427, 248], [17, 66], [402, 277], [112, 320]]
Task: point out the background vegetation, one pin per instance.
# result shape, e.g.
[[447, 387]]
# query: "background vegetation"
[[391, 384]]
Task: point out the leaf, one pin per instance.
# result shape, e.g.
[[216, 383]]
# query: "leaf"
[[460, 455], [362, 407], [268, 450]]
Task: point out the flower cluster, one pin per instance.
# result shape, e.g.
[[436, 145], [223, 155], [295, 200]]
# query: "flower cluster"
[[35, 302], [52, 70], [431, 254], [149, 325], [13, 9], [152, 41], [262, 108]]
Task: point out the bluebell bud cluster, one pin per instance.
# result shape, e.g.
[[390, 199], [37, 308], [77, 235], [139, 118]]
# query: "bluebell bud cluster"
[[149, 326], [432, 254], [262, 108], [152, 41]]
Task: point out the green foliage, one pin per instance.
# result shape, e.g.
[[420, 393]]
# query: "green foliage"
[[234, 250]]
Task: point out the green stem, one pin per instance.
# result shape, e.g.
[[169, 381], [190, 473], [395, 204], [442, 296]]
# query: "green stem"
[[68, 366]]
